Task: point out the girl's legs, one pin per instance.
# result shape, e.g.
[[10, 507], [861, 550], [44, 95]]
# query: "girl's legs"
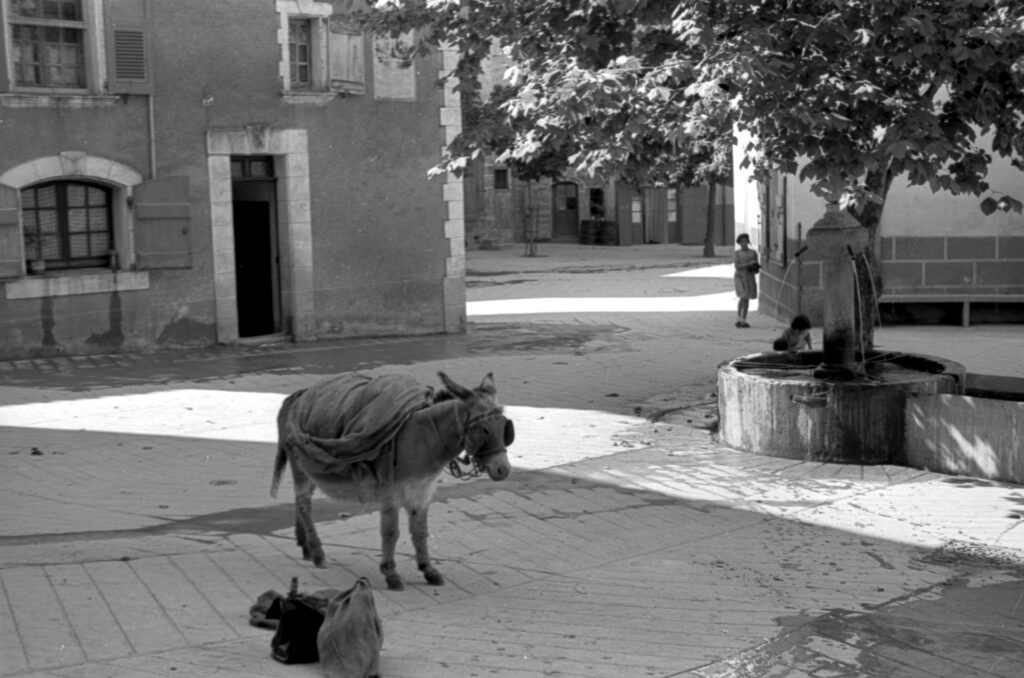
[[741, 311]]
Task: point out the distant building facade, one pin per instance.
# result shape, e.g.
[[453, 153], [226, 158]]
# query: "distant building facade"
[[501, 209], [264, 178]]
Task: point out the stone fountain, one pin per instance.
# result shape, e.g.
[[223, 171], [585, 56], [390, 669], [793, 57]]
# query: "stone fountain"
[[838, 404]]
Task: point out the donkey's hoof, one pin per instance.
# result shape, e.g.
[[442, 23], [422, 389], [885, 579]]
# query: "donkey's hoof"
[[394, 582], [433, 577], [318, 559]]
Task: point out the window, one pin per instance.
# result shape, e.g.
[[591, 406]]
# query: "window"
[[52, 48], [565, 197], [252, 167], [321, 54], [501, 179], [67, 224], [48, 39], [673, 205], [300, 53]]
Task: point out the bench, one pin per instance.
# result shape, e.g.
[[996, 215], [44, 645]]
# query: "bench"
[[964, 299]]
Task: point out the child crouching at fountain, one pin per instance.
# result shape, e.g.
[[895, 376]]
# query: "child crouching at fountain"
[[796, 337]]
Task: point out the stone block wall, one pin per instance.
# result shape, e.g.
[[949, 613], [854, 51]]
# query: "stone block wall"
[[952, 265]]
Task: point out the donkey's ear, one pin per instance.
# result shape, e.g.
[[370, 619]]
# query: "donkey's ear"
[[456, 389], [487, 385]]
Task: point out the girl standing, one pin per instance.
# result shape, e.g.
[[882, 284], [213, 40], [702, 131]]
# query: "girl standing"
[[745, 278]]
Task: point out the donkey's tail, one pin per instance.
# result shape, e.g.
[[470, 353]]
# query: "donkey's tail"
[[281, 460], [279, 463]]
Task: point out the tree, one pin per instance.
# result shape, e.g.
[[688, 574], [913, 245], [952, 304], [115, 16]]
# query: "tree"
[[848, 95], [587, 91]]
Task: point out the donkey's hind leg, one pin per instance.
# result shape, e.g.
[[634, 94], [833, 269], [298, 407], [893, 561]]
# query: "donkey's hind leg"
[[388, 539], [305, 531], [420, 536]]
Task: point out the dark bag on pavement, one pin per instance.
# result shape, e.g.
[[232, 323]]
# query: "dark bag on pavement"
[[301, 615], [351, 637]]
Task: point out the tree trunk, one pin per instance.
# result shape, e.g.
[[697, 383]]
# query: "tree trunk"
[[869, 279], [709, 226]]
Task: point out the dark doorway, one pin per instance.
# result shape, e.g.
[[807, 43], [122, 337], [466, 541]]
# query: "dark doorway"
[[257, 275], [566, 217]]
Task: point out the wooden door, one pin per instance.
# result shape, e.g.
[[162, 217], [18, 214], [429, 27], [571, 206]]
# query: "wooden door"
[[565, 212]]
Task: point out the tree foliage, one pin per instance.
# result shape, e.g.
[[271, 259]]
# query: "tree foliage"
[[587, 88], [847, 94]]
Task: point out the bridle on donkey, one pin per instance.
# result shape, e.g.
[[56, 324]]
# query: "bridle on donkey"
[[475, 460]]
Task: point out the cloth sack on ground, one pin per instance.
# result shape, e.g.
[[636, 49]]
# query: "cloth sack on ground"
[[351, 637], [266, 611], [301, 615]]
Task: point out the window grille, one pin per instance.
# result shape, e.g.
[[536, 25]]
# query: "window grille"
[[67, 224]]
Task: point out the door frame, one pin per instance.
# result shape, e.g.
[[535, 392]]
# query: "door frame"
[[290, 150]]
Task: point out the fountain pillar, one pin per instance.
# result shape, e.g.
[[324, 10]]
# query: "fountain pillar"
[[834, 239]]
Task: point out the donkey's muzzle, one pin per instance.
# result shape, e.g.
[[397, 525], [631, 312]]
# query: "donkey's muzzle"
[[497, 467]]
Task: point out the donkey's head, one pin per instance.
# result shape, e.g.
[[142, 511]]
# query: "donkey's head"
[[488, 431]]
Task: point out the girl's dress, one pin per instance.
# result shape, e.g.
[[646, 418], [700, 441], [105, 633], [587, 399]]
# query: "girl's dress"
[[745, 280]]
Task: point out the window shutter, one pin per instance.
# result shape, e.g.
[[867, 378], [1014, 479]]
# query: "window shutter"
[[346, 64], [12, 263], [163, 218], [128, 62]]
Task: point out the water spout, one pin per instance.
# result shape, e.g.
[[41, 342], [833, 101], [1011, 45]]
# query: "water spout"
[[857, 305], [874, 290], [799, 283]]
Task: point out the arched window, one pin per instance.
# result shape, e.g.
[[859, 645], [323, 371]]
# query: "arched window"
[[67, 224]]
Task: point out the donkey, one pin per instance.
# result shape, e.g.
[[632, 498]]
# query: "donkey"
[[428, 439]]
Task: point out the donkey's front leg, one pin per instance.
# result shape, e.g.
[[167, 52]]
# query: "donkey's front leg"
[[388, 539], [420, 536]]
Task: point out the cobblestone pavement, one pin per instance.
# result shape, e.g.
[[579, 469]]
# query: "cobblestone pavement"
[[136, 526]]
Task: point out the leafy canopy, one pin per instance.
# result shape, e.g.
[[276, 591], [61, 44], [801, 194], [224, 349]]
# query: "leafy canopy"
[[845, 93]]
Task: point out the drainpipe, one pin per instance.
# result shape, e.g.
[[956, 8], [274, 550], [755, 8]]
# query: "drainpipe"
[[832, 239], [799, 269], [152, 136]]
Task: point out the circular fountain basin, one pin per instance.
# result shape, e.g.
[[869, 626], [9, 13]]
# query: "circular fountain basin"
[[773, 404]]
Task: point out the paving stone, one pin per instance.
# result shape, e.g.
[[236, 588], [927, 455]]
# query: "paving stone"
[[134, 542]]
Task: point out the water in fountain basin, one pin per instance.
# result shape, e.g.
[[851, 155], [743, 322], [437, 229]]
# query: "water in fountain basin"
[[879, 367]]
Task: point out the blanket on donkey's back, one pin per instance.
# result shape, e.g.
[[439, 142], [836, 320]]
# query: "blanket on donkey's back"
[[344, 423]]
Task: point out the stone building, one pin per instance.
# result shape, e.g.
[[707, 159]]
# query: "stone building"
[[187, 173], [502, 209]]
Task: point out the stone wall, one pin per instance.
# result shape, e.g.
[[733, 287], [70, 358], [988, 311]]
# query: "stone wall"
[[952, 264]]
